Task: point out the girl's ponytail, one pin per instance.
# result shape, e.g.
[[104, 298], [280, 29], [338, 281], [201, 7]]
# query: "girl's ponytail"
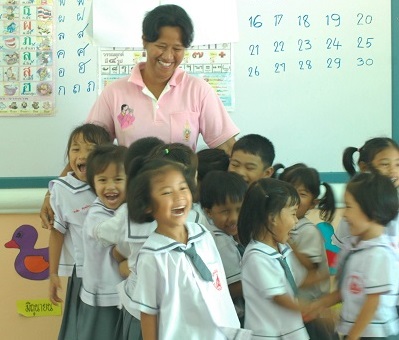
[[327, 204], [347, 160]]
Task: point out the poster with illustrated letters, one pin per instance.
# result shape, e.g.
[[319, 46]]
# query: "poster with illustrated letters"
[[26, 58], [212, 62]]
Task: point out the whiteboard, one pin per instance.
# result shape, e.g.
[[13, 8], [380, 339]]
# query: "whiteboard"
[[299, 98]]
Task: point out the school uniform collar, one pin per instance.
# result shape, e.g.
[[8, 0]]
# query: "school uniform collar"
[[137, 79], [97, 203], [158, 243], [72, 183], [379, 241], [284, 249]]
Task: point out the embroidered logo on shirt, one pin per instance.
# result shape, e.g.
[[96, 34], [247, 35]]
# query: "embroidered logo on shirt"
[[355, 286], [186, 132], [126, 116], [216, 280]]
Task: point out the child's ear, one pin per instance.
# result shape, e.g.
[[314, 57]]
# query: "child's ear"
[[208, 212], [363, 166], [271, 220], [268, 172], [314, 204]]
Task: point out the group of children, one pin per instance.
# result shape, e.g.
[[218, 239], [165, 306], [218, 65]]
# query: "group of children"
[[160, 242]]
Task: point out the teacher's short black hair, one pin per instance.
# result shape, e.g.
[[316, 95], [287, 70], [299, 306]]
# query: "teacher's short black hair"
[[168, 15]]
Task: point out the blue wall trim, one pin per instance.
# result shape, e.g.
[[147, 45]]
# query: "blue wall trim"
[[42, 182], [24, 182]]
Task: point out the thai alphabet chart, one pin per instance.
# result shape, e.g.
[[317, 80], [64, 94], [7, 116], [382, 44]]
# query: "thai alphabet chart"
[[26, 57], [209, 62]]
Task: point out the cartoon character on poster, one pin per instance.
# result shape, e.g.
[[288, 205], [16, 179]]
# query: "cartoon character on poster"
[[44, 89]]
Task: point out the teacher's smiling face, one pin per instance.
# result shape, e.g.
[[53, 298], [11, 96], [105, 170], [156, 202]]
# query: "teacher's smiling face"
[[163, 55]]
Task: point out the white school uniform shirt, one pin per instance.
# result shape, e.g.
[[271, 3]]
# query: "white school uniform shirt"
[[309, 241], [229, 253], [100, 269], [70, 200], [371, 267], [129, 238], [169, 286], [263, 278]]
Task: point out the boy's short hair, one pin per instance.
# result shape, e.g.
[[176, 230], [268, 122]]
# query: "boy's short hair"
[[218, 186], [256, 145]]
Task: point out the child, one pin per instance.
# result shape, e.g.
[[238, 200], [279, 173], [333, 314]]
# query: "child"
[[368, 264], [98, 312], [307, 239], [178, 254], [70, 198], [376, 155], [252, 157], [134, 234], [267, 216], [221, 197]]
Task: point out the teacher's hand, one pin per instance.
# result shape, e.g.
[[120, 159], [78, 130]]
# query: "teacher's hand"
[[46, 213]]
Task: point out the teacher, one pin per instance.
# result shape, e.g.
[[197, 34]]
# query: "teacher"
[[159, 98]]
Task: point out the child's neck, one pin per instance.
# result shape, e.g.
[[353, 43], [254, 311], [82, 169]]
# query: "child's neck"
[[177, 233], [268, 239]]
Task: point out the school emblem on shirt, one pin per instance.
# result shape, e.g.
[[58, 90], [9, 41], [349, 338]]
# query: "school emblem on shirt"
[[355, 284], [216, 280], [186, 132]]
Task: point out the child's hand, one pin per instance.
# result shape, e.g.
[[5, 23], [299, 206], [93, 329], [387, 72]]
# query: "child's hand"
[[55, 285], [46, 213], [312, 310]]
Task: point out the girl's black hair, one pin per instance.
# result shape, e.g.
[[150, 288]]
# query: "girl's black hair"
[[301, 174], [168, 15], [101, 157], [366, 153], [211, 159], [219, 186], [138, 193], [376, 196], [91, 133], [264, 200], [141, 148]]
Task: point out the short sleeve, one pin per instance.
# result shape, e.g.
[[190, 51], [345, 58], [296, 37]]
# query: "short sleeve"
[[310, 243], [380, 270], [146, 297], [216, 125], [265, 274]]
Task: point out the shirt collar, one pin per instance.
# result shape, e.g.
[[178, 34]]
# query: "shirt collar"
[[136, 78], [158, 243], [284, 249]]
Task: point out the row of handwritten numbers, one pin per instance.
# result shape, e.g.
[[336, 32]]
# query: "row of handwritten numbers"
[[305, 21], [307, 65], [307, 44]]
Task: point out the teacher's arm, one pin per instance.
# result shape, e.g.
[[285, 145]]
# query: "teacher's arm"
[[227, 146], [46, 212]]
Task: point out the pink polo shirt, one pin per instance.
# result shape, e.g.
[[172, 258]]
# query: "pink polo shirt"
[[187, 107]]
